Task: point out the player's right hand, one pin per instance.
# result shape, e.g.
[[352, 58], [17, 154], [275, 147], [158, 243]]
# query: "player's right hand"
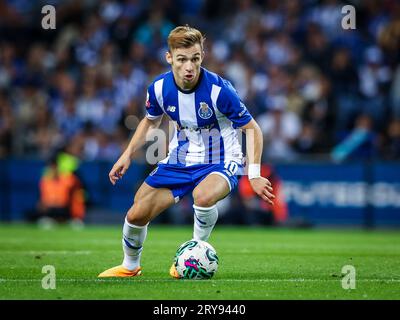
[[119, 168]]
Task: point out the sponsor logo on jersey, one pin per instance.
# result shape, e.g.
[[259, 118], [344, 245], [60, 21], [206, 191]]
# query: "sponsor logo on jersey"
[[206, 127], [205, 112]]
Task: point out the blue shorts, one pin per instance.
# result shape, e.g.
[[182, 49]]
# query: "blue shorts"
[[182, 180]]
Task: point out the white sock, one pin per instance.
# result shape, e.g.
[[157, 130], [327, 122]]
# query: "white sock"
[[132, 243], [204, 221]]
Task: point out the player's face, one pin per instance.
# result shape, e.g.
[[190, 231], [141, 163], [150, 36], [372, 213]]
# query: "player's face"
[[185, 63]]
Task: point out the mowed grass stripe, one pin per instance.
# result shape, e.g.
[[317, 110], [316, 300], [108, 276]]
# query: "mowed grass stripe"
[[255, 263]]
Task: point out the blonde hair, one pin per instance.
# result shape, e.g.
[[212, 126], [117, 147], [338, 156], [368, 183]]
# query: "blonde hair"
[[185, 37]]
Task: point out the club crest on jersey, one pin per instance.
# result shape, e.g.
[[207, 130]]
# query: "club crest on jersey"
[[205, 112]]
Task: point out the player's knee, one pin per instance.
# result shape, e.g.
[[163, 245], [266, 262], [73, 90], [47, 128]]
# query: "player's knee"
[[137, 220], [137, 215], [202, 199]]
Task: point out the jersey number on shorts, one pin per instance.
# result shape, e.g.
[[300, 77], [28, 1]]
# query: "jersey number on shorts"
[[231, 168]]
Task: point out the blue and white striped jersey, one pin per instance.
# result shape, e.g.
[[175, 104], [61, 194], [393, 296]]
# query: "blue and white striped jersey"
[[205, 119]]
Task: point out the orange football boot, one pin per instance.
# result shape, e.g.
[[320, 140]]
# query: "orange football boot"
[[120, 271], [173, 272]]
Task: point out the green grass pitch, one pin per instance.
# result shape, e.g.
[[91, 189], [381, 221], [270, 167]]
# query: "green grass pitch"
[[255, 263]]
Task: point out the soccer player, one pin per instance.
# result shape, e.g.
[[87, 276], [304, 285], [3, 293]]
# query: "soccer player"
[[204, 155]]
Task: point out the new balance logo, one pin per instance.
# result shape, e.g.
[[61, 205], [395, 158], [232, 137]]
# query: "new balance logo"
[[171, 108]]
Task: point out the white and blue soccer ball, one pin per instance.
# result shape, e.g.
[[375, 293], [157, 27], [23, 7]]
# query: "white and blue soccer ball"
[[196, 259]]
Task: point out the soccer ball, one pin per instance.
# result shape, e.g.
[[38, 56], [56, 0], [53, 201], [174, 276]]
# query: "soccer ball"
[[196, 259]]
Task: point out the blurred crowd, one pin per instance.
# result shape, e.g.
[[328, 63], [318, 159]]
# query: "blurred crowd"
[[317, 90]]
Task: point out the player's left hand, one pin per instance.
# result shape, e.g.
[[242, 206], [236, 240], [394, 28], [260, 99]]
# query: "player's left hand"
[[263, 188]]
